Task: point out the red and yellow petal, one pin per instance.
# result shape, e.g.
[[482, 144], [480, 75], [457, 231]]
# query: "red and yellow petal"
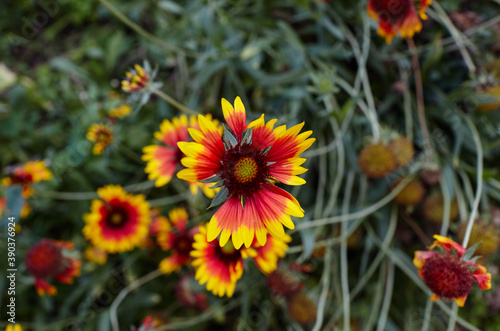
[[287, 171], [421, 257], [43, 288], [179, 218], [208, 135], [448, 244], [220, 274], [482, 277], [161, 163], [171, 132], [423, 6], [235, 117], [173, 263], [200, 162], [263, 134], [267, 211], [268, 255], [461, 301], [289, 143], [71, 270], [410, 25]]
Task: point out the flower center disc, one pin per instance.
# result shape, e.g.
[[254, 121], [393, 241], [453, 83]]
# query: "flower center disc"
[[245, 170], [116, 218], [183, 244]]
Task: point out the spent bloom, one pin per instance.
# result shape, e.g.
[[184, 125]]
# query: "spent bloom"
[[448, 272], [31, 172], [245, 162], [164, 160], [118, 221], [46, 260], [101, 135], [175, 237], [398, 16]]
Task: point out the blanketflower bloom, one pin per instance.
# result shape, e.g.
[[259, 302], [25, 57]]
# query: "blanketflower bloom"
[[119, 221], [30, 173], [102, 135], [136, 80], [46, 260], [175, 237], [120, 111], [397, 16], [245, 164], [219, 267], [447, 274], [163, 160]]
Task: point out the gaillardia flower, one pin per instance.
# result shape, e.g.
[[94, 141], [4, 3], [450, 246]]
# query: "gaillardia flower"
[[163, 160], [30, 173], [244, 163], [46, 260], [397, 16], [117, 222], [136, 80], [175, 237], [102, 135], [120, 111], [219, 267], [447, 273]]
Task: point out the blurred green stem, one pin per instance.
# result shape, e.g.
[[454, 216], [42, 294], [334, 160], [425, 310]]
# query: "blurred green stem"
[[420, 100], [459, 39], [138, 29], [174, 102], [132, 286], [362, 213]]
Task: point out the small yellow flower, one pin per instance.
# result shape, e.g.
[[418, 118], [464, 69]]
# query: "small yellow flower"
[[121, 111], [30, 173], [102, 135]]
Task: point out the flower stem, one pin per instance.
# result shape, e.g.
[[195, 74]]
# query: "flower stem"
[[138, 29], [479, 185], [175, 103], [132, 286], [420, 100]]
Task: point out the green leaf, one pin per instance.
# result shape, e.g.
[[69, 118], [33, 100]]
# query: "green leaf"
[[220, 197], [229, 138], [469, 252], [213, 179], [247, 136]]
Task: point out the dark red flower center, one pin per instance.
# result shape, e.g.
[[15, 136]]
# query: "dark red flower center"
[[243, 170], [447, 276], [22, 178], [117, 217], [183, 244], [392, 10], [43, 259], [228, 254]]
